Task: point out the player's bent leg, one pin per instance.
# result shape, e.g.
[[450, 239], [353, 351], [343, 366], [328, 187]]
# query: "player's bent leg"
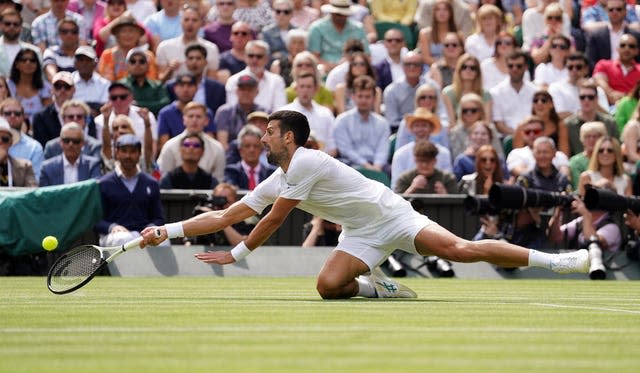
[[337, 278]]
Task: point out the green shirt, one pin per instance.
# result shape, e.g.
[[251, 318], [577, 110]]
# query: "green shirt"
[[328, 42], [151, 95], [577, 164], [574, 122], [323, 96], [624, 111]]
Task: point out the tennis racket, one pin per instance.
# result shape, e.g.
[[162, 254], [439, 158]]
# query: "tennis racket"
[[79, 265]]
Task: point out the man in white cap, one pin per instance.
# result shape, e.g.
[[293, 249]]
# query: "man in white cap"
[[91, 87], [14, 172], [47, 123], [329, 34]]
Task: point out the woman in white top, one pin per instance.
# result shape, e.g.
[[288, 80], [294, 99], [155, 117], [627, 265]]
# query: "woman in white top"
[[494, 69], [605, 167], [489, 22], [555, 70]]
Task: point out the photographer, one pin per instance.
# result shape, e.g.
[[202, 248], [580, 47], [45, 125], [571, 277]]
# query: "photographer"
[[589, 228], [223, 196]]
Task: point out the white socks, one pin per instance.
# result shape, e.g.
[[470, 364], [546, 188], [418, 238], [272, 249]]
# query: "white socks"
[[540, 259], [366, 288]]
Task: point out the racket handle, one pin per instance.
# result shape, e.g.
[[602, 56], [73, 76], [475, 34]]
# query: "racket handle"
[[133, 244]]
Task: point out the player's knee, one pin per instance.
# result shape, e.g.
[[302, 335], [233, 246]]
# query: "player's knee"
[[329, 288]]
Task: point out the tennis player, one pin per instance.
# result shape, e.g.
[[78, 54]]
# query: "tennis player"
[[375, 221]]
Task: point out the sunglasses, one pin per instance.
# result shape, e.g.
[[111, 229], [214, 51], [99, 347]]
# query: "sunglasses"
[[427, 97], [559, 46], [192, 145], [240, 33], [628, 45], [575, 67], [359, 63], [256, 56], [10, 113], [286, 12], [540, 100], [122, 97], [506, 43], [224, 3], [395, 40], [74, 116], [469, 67], [69, 140], [31, 60], [61, 86], [469, 110], [412, 64], [488, 159], [587, 97], [137, 61], [515, 65], [605, 150], [10, 24], [5, 139], [69, 31], [616, 9], [532, 132], [554, 18], [304, 64]]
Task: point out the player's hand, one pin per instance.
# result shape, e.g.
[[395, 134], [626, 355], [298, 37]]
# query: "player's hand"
[[216, 257], [153, 236]]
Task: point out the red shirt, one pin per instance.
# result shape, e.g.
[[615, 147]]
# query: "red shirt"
[[617, 79]]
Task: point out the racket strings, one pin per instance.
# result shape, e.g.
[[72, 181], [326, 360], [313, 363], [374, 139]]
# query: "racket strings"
[[74, 268]]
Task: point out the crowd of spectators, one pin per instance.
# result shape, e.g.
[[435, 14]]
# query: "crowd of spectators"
[[431, 96]]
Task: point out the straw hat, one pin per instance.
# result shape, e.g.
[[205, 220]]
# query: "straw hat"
[[425, 115]]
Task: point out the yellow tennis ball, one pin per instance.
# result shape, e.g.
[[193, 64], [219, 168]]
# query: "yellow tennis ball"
[[49, 243]]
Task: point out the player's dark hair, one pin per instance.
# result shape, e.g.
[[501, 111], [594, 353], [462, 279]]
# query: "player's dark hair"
[[295, 122]]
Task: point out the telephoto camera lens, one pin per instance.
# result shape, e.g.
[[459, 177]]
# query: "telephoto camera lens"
[[442, 267], [596, 268], [396, 269]]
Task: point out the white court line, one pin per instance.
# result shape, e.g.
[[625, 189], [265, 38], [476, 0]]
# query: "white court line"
[[586, 308]]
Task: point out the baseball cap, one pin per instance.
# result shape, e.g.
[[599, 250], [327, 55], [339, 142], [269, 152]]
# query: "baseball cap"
[[128, 140], [258, 114], [119, 85], [186, 78], [137, 50], [247, 80], [87, 51], [63, 76]]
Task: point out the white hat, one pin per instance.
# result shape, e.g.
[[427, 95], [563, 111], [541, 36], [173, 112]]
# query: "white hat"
[[343, 7], [5, 127]]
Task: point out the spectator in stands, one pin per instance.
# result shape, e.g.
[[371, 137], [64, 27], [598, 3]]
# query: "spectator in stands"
[[271, 86], [219, 31], [24, 147], [425, 177], [91, 87], [47, 122], [306, 63], [442, 70], [250, 170], [10, 42], [339, 72], [487, 170], [256, 13], [589, 112], [60, 57], [431, 38], [394, 11], [233, 60], [103, 35], [320, 118], [122, 125], [259, 119], [195, 120], [521, 161], [209, 91], [489, 22], [390, 68], [44, 30], [303, 15], [513, 97], [189, 175], [422, 123], [427, 97], [327, 35], [165, 23], [143, 122], [76, 111], [618, 76], [461, 15], [296, 43], [470, 110], [72, 165], [467, 78], [273, 34], [128, 34], [24, 27], [91, 11], [26, 83], [171, 52], [554, 127], [130, 198], [590, 132], [495, 69], [231, 117], [4, 88], [359, 66], [362, 135], [602, 39], [14, 172], [605, 168], [148, 93], [565, 92], [170, 118], [555, 70], [541, 44], [533, 22], [599, 12], [626, 107]]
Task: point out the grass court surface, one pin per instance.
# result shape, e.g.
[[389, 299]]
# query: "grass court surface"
[[281, 325]]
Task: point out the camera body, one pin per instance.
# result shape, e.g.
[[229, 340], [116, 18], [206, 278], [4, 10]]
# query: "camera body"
[[208, 203], [479, 205], [516, 197]]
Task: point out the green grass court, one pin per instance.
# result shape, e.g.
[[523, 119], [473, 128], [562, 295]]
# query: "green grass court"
[[281, 325]]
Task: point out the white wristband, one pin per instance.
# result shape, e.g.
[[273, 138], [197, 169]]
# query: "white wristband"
[[240, 251], [174, 230]]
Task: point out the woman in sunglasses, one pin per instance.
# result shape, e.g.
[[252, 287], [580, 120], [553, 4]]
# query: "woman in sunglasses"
[[26, 83], [486, 167], [467, 78], [554, 127], [430, 39], [470, 111], [606, 169], [426, 97], [541, 44], [442, 70], [556, 69]]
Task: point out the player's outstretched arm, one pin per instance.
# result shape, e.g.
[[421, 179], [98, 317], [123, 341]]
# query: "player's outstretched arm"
[[259, 235], [208, 222]]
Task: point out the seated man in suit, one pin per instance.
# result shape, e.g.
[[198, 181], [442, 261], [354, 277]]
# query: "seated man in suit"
[[14, 172], [77, 112], [189, 175], [249, 172], [46, 123], [72, 165]]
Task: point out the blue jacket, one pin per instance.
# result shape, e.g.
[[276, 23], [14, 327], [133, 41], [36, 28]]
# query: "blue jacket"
[[91, 147], [52, 172]]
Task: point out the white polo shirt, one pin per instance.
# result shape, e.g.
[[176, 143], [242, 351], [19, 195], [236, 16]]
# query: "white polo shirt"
[[511, 106]]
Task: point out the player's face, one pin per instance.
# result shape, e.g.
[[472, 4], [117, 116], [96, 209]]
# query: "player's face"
[[273, 142]]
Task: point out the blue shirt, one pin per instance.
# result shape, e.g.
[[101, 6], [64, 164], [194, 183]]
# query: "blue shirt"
[[164, 27], [361, 141], [597, 13], [31, 150], [170, 121]]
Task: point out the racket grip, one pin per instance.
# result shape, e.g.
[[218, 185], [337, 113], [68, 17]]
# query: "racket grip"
[[133, 243]]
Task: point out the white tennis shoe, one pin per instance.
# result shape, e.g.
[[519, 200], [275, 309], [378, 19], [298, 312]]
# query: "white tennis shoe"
[[388, 288], [573, 262]]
